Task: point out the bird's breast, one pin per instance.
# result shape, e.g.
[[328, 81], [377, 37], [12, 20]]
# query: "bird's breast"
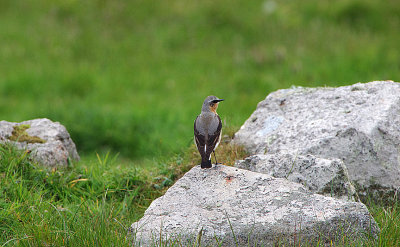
[[208, 123]]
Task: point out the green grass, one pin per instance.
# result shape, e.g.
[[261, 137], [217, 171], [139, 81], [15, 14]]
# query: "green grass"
[[83, 204], [87, 204], [130, 76]]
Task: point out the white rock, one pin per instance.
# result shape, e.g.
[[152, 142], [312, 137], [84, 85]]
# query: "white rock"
[[57, 148], [223, 202], [322, 176], [359, 124]]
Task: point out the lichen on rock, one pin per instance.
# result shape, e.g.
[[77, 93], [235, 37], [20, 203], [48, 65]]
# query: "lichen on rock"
[[19, 135]]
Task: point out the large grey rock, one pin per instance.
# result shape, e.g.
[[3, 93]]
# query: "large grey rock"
[[359, 124], [54, 145], [228, 203], [322, 176]]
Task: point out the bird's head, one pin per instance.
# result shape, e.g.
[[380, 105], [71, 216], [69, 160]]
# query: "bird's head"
[[211, 103]]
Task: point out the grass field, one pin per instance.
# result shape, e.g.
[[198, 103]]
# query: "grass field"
[[129, 77]]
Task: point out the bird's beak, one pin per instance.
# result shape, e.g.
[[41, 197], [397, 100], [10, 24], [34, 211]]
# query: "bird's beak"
[[217, 100]]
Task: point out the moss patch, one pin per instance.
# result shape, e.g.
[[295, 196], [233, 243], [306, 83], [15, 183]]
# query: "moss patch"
[[19, 135]]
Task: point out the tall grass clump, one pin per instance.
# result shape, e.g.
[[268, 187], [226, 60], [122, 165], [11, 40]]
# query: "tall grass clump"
[[90, 204], [387, 215]]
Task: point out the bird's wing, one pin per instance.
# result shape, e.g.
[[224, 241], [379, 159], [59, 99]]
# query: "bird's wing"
[[199, 139], [214, 135]]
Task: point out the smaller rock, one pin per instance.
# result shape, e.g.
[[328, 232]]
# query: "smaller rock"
[[323, 176], [49, 141]]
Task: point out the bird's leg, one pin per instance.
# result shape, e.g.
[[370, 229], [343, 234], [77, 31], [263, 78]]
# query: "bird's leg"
[[215, 157]]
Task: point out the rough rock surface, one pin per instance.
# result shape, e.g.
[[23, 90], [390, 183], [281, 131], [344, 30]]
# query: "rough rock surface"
[[322, 176], [57, 148], [236, 205], [359, 124]]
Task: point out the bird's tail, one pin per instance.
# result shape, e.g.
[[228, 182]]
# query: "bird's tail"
[[206, 163]]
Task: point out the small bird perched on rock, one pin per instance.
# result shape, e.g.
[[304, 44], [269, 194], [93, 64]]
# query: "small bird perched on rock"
[[207, 130]]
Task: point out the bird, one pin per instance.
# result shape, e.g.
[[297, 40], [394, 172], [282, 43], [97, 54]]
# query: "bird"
[[207, 130]]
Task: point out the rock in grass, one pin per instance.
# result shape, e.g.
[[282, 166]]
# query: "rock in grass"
[[234, 206], [322, 176], [49, 142], [359, 124]]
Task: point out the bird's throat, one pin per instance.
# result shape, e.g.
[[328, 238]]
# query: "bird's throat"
[[214, 107]]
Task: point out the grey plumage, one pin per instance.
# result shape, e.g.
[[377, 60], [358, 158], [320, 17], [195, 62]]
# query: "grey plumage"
[[207, 130]]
